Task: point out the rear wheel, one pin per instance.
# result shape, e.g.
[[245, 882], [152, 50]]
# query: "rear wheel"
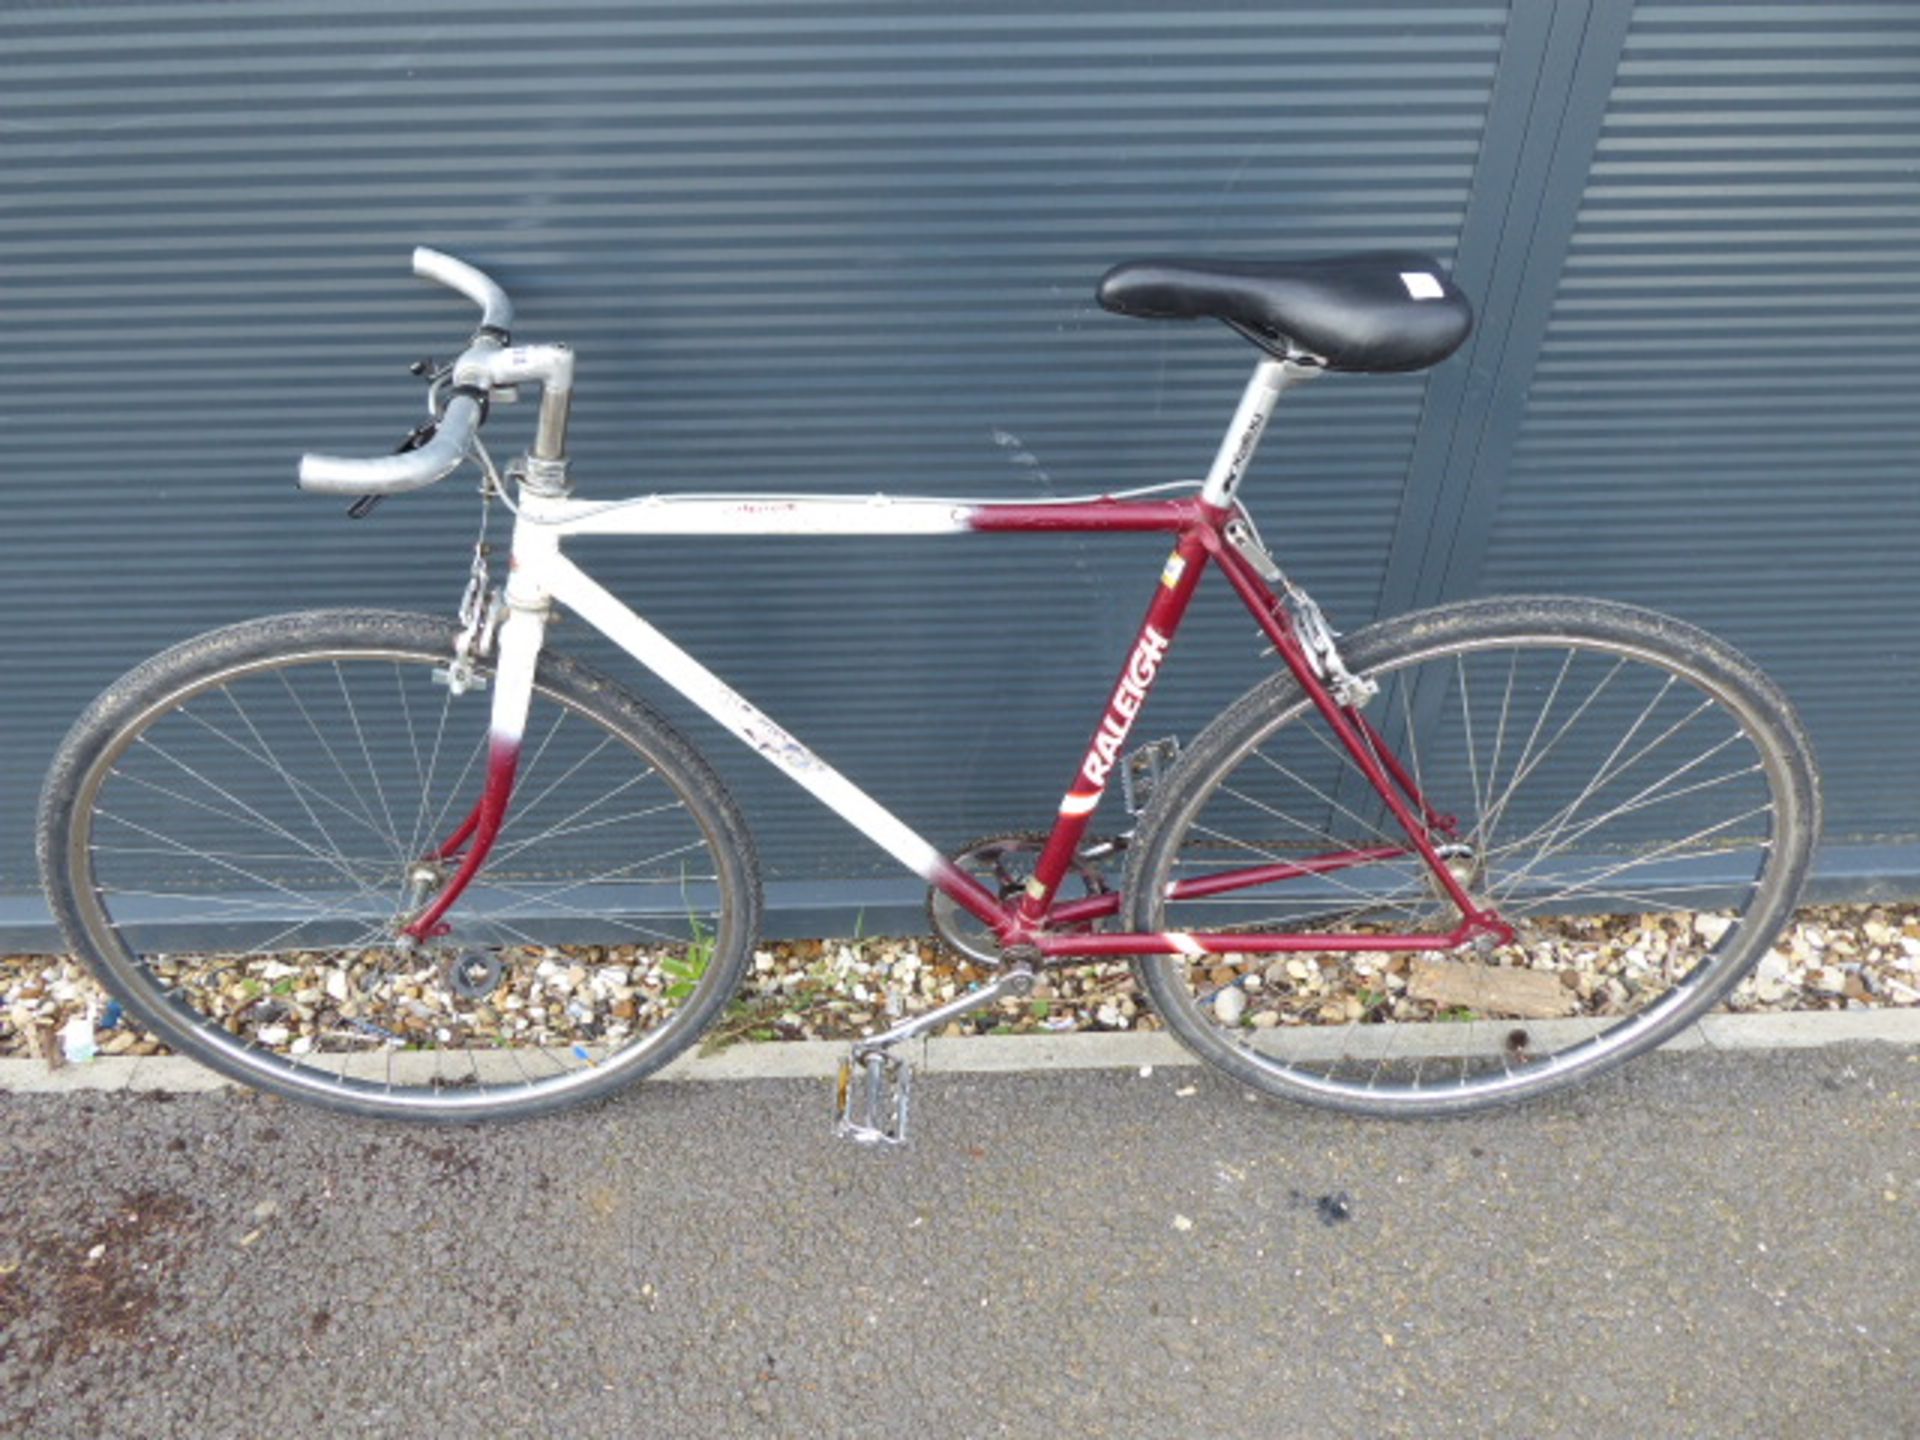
[[234, 835], [1633, 796]]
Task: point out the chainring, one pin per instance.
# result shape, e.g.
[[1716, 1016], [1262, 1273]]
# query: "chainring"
[[1003, 864]]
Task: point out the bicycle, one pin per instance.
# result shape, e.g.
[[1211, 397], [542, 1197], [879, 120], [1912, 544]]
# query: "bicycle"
[[1463, 857]]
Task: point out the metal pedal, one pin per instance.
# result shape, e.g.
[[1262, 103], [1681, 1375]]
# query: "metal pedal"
[[870, 1104], [872, 1098]]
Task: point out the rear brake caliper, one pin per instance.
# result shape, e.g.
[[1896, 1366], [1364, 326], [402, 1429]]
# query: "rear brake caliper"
[[1309, 623], [1316, 638]]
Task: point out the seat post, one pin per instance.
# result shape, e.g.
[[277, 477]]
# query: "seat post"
[[1264, 387]]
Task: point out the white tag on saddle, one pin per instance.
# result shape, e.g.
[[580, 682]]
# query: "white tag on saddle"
[[1420, 285]]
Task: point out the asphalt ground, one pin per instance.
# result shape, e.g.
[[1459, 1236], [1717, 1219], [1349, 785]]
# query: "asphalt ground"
[[1706, 1244]]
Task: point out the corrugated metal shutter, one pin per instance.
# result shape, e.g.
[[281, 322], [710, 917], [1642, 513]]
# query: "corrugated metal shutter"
[[1722, 421], [823, 247]]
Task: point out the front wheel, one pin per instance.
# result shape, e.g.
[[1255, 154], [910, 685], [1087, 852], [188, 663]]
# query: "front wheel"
[[235, 834], [1630, 794]]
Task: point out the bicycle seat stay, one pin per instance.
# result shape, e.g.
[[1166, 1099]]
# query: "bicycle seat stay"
[[1390, 311]]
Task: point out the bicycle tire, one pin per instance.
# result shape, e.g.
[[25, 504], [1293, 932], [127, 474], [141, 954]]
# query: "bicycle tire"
[[107, 824], [1308, 1043]]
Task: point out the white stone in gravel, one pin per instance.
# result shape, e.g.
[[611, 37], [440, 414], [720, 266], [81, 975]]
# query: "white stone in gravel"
[[336, 986], [1827, 979], [1230, 1005], [274, 1035], [1711, 927]]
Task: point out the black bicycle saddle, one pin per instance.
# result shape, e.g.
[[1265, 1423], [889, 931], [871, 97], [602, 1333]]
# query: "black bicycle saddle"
[[1374, 312]]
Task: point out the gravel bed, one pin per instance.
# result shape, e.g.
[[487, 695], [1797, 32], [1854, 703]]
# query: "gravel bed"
[[1831, 958]]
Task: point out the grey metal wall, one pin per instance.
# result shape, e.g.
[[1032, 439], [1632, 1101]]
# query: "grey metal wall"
[[1723, 409], [851, 246]]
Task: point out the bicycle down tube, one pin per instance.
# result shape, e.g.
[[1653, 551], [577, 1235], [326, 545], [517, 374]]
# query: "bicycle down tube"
[[1199, 524]]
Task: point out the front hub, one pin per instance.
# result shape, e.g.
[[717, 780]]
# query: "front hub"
[[425, 878]]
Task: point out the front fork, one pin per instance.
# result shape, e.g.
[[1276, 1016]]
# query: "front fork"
[[519, 642]]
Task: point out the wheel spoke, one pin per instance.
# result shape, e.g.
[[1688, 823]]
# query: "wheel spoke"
[[327, 749], [1604, 776], [373, 771]]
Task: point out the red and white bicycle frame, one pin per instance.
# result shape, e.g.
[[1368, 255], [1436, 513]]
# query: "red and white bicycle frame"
[[1203, 527]]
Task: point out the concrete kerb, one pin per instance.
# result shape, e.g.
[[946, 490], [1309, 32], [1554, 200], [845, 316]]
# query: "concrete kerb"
[[982, 1054]]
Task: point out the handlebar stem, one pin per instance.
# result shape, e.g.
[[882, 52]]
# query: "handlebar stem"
[[550, 365]]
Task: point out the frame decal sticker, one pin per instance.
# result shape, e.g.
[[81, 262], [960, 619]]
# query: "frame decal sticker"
[[1125, 705]]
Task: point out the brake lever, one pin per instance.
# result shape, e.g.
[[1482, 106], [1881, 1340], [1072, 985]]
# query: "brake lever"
[[422, 433]]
